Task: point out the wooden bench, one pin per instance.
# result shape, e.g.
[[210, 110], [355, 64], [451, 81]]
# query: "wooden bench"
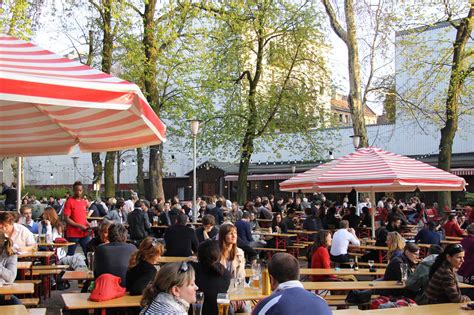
[[294, 249], [36, 283], [37, 311], [29, 302], [270, 251], [49, 267]]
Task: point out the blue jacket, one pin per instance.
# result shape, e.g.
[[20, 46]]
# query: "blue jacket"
[[427, 236], [244, 232], [293, 300]]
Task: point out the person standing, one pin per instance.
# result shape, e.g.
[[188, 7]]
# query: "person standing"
[[75, 215], [138, 224], [10, 196]]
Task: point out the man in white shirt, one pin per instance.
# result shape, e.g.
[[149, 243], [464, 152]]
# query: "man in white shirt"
[[130, 203], [340, 242], [365, 203]]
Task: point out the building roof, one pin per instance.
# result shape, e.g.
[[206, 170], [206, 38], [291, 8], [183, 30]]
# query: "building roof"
[[343, 105]]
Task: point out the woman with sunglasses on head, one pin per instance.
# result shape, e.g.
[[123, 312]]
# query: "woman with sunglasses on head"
[[141, 266], [211, 276], [172, 291], [8, 270], [443, 286]]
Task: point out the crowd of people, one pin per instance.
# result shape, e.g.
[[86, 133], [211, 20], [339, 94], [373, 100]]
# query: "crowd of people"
[[134, 234]]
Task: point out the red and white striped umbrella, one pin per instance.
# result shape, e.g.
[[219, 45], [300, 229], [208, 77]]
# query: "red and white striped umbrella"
[[49, 103], [373, 170]]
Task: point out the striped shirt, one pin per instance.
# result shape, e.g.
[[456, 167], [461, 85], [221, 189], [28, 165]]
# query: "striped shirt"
[[165, 303], [443, 286]]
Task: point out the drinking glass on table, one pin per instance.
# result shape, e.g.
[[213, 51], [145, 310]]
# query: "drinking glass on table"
[[197, 306], [90, 263], [223, 303], [404, 272], [371, 264], [351, 262]]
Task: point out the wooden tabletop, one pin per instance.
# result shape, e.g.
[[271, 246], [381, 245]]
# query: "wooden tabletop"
[[448, 242], [341, 272], [172, 259], [23, 265], [95, 218], [17, 288], [274, 234], [434, 309], [56, 244], [303, 232], [454, 238], [159, 226], [369, 247], [80, 301], [264, 220], [46, 254], [13, 310], [352, 285], [247, 294], [78, 275]]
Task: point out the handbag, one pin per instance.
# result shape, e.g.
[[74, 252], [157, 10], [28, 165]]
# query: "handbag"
[[358, 296], [107, 287]]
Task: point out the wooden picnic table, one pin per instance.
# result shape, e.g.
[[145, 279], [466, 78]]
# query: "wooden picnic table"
[[78, 275], [247, 294], [17, 288], [449, 242], [341, 272], [280, 238], [159, 226], [95, 218], [352, 285], [172, 259], [454, 238], [303, 235], [23, 265], [433, 309], [43, 254], [56, 244], [80, 301], [13, 310]]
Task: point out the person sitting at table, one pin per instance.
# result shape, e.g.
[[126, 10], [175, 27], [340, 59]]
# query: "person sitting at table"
[[172, 291], [211, 276], [312, 222], [113, 257], [395, 244], [352, 217], [393, 226], [278, 226], [51, 225], [141, 267], [393, 272], [232, 257], [180, 239], [398, 212], [289, 219], [320, 257], [467, 268], [429, 234], [443, 286], [8, 267], [418, 280], [138, 224], [101, 237], [208, 229], [330, 221], [451, 228], [27, 220], [289, 295], [340, 242], [366, 218], [117, 215], [23, 240]]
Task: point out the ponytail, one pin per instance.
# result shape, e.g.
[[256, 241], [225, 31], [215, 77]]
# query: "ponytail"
[[438, 262]]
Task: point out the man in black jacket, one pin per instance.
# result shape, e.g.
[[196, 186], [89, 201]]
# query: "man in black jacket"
[[180, 240], [218, 212], [138, 223]]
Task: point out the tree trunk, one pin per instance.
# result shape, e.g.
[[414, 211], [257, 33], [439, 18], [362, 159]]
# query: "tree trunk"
[[97, 163], [117, 187], [107, 50], [155, 171], [109, 181], [247, 150], [355, 100], [459, 72], [140, 177]]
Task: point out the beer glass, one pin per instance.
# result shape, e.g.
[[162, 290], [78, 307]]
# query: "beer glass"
[[404, 272], [223, 303], [155, 221], [42, 238], [90, 263], [197, 306]]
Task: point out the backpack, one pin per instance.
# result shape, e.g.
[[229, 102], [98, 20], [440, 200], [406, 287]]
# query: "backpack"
[[391, 302]]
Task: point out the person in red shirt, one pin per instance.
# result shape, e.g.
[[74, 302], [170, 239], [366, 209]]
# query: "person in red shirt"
[[451, 228], [75, 215], [320, 257]]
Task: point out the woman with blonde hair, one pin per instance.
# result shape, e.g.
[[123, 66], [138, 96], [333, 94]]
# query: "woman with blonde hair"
[[232, 257], [141, 266], [395, 243], [172, 291], [8, 270]]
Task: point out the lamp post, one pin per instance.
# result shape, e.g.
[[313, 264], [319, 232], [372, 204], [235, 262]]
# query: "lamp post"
[[293, 170], [194, 124]]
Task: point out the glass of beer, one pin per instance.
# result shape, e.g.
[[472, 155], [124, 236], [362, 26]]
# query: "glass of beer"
[[255, 281], [223, 303], [155, 221], [42, 238], [197, 306]]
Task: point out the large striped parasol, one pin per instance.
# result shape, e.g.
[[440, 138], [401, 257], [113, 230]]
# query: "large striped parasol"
[[49, 103], [374, 170]]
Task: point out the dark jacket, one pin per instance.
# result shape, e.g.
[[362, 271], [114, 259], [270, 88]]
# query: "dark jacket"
[[180, 240], [218, 214], [139, 276], [174, 214], [467, 268], [354, 220], [330, 222], [393, 273], [244, 231], [381, 235], [165, 218], [113, 258], [138, 224], [200, 233], [428, 236], [211, 283], [290, 224]]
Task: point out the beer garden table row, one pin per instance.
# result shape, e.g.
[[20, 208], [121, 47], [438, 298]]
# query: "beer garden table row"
[[434, 309]]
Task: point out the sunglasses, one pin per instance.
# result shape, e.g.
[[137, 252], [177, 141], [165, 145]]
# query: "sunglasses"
[[183, 267]]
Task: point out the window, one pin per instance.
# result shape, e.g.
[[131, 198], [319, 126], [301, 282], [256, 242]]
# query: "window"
[[341, 118]]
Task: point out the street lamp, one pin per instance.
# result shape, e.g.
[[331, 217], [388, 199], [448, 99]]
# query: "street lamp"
[[194, 124], [356, 141]]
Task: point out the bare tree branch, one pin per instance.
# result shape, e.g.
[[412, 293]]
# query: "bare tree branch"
[[334, 21]]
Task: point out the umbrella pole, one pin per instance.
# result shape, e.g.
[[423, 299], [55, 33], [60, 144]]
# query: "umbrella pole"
[[372, 215], [18, 184]]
